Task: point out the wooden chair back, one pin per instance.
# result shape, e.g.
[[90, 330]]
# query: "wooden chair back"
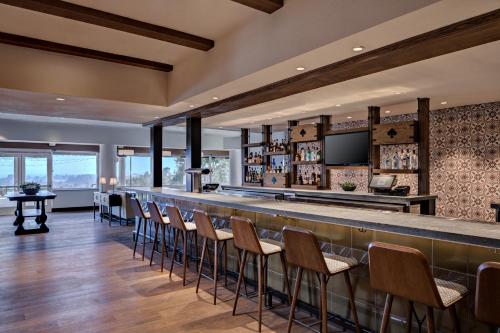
[[204, 226], [302, 249], [488, 293], [137, 208], [403, 271], [245, 235], [154, 212], [176, 220]]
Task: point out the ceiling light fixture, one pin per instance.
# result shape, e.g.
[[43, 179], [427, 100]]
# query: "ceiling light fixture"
[[191, 106], [387, 111], [337, 105], [215, 97], [349, 117], [397, 93], [60, 99], [358, 48], [444, 102], [300, 68], [157, 117]]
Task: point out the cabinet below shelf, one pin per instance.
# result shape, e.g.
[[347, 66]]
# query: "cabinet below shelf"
[[410, 171]]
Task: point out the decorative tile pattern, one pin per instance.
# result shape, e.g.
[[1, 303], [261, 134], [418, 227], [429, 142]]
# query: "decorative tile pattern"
[[464, 160]]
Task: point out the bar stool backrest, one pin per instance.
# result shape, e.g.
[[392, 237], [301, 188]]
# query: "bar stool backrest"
[[488, 293], [175, 218], [154, 211], [403, 271], [204, 226], [137, 208], [245, 235], [302, 249]]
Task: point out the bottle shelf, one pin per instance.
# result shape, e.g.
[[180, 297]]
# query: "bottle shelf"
[[253, 164], [306, 162], [276, 153], [253, 145], [391, 171]]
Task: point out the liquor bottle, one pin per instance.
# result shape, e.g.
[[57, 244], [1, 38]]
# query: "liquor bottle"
[[414, 160], [313, 178], [302, 154], [395, 161], [301, 180], [273, 165], [313, 155], [402, 162], [318, 155], [308, 154]]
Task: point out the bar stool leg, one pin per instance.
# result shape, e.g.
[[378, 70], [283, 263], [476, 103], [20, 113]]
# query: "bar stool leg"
[[163, 246], [430, 320], [203, 250], [195, 235], [154, 244], [285, 276], [295, 298], [260, 273], [240, 278], [144, 239], [409, 317], [136, 240], [454, 316], [184, 255], [387, 313], [176, 240], [225, 262], [216, 268], [324, 309], [351, 300]]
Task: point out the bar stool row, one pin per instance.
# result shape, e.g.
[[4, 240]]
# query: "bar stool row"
[[398, 271]]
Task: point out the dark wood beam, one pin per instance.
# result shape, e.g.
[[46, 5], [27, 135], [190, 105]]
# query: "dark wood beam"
[[44, 45], [268, 6], [156, 153], [193, 148], [374, 151], [112, 21], [472, 32]]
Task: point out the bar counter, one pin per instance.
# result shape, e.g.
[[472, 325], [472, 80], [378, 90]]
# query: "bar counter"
[[454, 248]]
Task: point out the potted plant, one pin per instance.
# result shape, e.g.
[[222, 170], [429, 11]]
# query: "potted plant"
[[348, 186], [30, 188]]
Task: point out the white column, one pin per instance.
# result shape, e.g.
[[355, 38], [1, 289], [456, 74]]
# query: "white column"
[[107, 158], [235, 166]]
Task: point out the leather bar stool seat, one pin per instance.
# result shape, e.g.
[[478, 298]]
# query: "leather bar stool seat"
[[303, 250], [487, 308], [161, 222], [246, 240], [184, 229], [143, 218], [405, 272], [218, 237]]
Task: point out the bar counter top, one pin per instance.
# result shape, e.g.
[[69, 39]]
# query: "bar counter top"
[[448, 229]]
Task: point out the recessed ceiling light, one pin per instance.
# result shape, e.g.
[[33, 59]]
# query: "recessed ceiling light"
[[300, 68], [387, 111], [337, 105], [221, 127], [397, 93], [358, 48], [60, 99], [191, 106], [444, 102], [349, 117], [215, 97], [157, 117]]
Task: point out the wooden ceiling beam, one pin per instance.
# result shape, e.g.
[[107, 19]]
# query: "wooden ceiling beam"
[[44, 45], [455, 37], [112, 21], [268, 6]]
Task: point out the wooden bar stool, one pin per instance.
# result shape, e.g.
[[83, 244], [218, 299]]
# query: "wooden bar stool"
[[206, 230], [487, 307], [143, 218], [184, 229], [404, 272], [246, 239], [303, 250], [161, 222]]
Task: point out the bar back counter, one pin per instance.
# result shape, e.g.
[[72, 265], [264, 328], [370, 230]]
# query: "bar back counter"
[[454, 248]]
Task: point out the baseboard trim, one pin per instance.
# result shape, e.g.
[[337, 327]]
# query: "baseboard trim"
[[71, 209]]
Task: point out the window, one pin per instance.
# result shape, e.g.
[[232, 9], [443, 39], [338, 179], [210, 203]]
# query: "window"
[[138, 170], [7, 177], [220, 167], [173, 171], [36, 170], [74, 171]]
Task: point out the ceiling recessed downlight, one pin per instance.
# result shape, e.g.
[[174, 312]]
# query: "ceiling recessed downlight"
[[444, 102], [358, 48], [191, 106], [337, 105], [349, 117], [397, 93], [300, 68], [60, 99], [157, 117], [215, 97], [387, 111]]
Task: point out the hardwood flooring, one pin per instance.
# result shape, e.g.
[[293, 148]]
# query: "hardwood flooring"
[[81, 277]]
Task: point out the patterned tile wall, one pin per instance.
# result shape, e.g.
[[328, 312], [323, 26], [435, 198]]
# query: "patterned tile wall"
[[464, 161]]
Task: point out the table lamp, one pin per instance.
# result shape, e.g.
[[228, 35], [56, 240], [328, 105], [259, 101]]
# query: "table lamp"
[[113, 181], [102, 182]]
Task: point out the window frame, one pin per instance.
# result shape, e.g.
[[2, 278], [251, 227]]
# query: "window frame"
[[80, 153]]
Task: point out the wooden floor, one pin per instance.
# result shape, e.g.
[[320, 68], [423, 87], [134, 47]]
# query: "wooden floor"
[[81, 278]]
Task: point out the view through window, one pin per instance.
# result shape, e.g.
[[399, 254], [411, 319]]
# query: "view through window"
[[173, 171], [74, 171], [137, 170]]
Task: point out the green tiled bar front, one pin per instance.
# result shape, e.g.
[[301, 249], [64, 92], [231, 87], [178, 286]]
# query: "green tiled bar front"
[[449, 260]]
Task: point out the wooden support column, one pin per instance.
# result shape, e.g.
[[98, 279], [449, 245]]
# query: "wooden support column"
[[374, 151], [325, 173], [266, 140], [245, 133], [293, 151], [155, 150], [193, 146], [423, 146]]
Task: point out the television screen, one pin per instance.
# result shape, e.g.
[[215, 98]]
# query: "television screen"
[[347, 149]]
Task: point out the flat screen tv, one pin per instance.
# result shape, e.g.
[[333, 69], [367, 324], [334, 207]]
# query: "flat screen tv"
[[347, 149]]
